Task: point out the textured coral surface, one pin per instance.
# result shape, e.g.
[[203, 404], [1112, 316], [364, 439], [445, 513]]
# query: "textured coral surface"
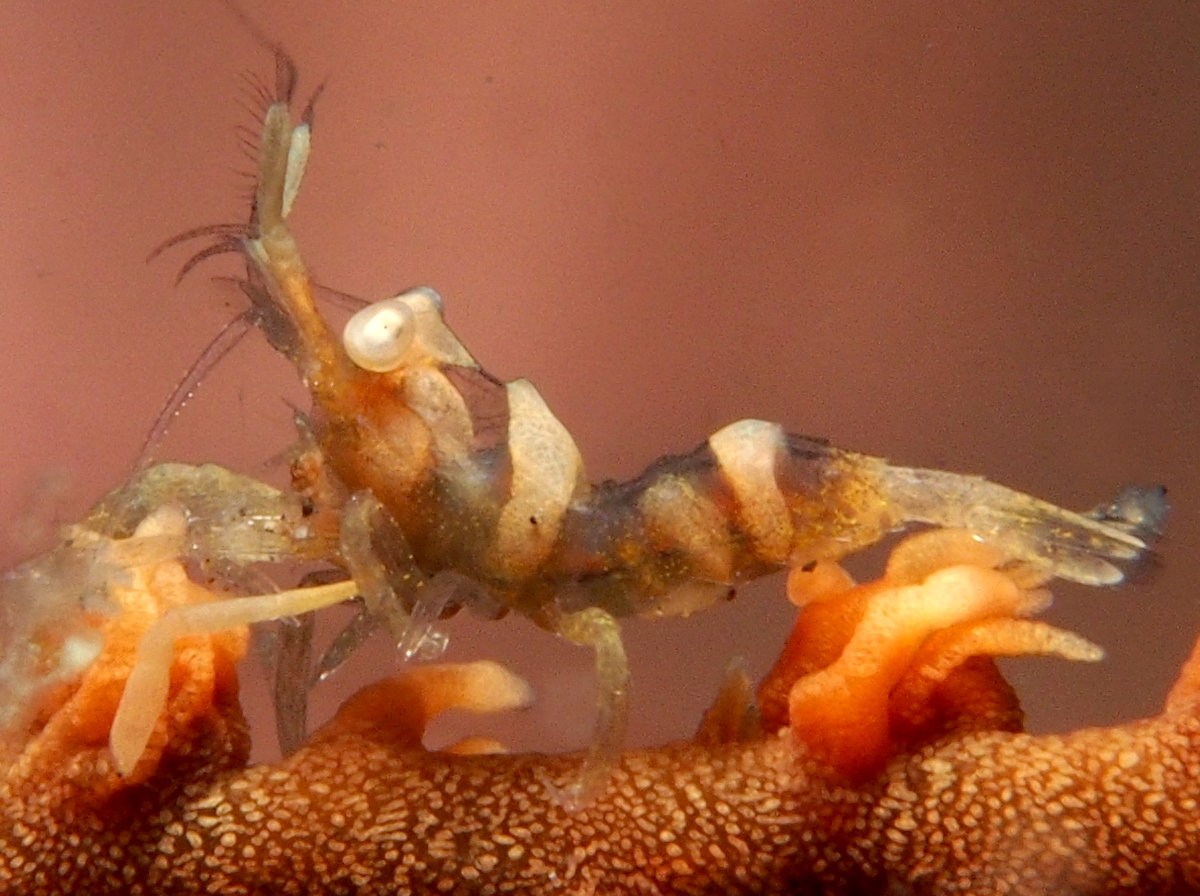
[[943, 801]]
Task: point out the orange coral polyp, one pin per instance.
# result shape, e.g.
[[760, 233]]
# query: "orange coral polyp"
[[397, 709], [866, 660], [946, 800], [841, 712], [202, 682]]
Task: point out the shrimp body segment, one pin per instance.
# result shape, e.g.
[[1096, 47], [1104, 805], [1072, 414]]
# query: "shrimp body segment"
[[446, 474]]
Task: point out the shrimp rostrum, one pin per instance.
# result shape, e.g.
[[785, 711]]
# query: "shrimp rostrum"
[[455, 489]]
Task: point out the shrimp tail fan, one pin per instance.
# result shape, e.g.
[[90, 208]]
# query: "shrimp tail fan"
[[1100, 547]]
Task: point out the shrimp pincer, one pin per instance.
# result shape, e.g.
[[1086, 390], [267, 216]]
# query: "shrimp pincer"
[[456, 489]]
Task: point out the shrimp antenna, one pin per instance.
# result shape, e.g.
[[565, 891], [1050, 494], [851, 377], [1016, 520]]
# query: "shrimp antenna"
[[228, 238], [340, 298], [221, 345]]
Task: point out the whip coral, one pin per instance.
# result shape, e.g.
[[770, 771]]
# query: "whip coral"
[[882, 754]]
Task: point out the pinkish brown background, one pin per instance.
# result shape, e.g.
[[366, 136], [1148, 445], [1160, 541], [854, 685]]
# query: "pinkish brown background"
[[962, 237]]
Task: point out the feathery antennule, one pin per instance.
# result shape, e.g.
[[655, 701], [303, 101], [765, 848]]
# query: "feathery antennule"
[[229, 239], [223, 246], [234, 231], [246, 172], [287, 76], [256, 94], [247, 139], [254, 98]]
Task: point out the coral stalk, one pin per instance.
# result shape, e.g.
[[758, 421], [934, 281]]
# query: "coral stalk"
[[941, 798]]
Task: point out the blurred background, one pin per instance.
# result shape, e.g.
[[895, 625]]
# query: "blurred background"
[[961, 238]]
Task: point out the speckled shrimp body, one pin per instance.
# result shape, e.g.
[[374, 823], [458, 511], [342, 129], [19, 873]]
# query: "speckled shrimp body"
[[454, 488]]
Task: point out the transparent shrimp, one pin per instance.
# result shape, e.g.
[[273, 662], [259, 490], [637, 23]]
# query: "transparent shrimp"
[[440, 471]]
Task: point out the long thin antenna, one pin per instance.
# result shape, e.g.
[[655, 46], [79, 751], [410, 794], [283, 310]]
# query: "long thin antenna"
[[221, 345]]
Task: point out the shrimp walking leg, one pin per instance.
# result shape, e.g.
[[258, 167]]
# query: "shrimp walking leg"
[[598, 630], [393, 588]]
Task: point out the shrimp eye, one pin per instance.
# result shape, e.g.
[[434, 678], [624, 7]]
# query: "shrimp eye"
[[422, 298], [377, 337], [434, 297]]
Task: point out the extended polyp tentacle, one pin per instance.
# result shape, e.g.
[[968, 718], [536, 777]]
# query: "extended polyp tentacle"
[[841, 711], [890, 666], [915, 700], [146, 689], [398, 709], [924, 553], [946, 650]]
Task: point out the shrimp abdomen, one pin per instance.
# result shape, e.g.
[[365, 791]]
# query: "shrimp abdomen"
[[754, 498]]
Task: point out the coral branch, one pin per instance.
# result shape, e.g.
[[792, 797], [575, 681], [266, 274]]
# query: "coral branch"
[[944, 798]]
